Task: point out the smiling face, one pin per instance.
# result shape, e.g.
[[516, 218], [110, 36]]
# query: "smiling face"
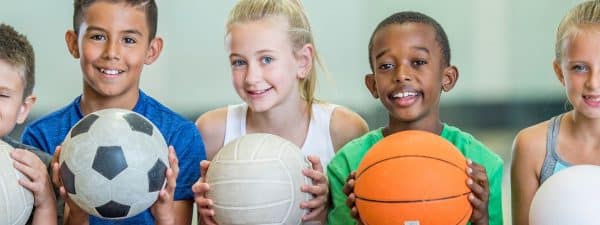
[[578, 69], [264, 65], [408, 72], [13, 107], [113, 45]]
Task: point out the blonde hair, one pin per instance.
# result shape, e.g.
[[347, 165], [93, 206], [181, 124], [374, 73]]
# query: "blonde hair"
[[299, 31], [586, 13]]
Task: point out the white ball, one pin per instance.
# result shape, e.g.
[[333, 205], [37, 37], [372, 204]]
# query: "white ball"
[[256, 179], [16, 202], [113, 163], [571, 196]]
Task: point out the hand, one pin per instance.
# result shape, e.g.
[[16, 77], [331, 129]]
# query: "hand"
[[37, 181], [163, 209], [319, 189], [351, 200], [480, 192], [73, 213], [204, 205]]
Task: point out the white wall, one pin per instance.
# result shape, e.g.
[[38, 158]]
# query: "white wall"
[[503, 49]]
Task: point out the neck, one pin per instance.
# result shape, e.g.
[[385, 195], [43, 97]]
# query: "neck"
[[430, 123], [583, 128], [92, 101], [289, 121]]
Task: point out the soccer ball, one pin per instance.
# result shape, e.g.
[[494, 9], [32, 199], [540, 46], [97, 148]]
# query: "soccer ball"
[[16, 202], [113, 163]]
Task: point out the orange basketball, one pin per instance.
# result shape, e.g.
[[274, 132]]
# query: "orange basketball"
[[413, 178]]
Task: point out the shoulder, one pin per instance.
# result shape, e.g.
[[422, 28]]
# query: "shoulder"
[[472, 148], [212, 127], [346, 125], [529, 146]]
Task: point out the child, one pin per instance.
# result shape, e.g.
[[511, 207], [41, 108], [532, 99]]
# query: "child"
[[410, 58], [570, 138], [113, 40], [16, 99], [272, 56]]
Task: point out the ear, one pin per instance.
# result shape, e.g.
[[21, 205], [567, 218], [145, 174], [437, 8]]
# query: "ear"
[[154, 50], [449, 78], [72, 46], [25, 108], [371, 85], [558, 71], [304, 57]]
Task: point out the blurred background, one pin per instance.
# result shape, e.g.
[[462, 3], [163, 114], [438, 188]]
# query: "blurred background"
[[503, 49]]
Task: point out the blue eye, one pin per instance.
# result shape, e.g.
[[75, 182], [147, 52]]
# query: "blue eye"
[[267, 60], [238, 63], [580, 68]]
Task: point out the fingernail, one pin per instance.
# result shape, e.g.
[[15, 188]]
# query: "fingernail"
[[469, 170], [469, 162], [469, 181]]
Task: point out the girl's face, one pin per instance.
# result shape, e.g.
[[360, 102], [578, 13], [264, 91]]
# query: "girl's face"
[[579, 69], [265, 68]]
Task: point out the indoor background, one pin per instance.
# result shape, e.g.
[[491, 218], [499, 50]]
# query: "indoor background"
[[502, 48]]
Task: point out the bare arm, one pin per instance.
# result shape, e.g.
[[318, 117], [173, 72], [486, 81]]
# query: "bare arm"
[[528, 155], [212, 128], [346, 125]]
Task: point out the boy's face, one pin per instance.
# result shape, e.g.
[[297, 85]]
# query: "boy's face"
[[113, 45], [408, 72], [13, 110]]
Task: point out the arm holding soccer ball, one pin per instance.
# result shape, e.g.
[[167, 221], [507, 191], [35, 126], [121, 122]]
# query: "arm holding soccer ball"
[[37, 181]]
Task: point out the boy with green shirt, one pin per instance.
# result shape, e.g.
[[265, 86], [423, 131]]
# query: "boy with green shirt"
[[409, 55]]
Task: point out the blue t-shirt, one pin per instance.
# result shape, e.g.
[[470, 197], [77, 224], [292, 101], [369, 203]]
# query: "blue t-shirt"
[[49, 131]]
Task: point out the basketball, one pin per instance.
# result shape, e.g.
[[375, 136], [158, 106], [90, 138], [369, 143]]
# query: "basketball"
[[256, 179], [568, 197], [16, 202], [411, 178]]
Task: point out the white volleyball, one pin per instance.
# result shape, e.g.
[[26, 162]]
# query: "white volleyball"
[[256, 179], [16, 202], [570, 196]]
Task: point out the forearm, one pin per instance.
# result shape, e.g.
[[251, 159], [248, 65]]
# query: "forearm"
[[183, 212], [44, 216]]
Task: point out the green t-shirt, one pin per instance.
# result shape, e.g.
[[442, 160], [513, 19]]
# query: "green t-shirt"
[[349, 157]]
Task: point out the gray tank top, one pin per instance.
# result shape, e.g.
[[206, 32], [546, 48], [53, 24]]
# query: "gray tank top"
[[552, 162]]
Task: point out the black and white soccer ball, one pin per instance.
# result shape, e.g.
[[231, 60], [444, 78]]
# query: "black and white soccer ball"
[[113, 163]]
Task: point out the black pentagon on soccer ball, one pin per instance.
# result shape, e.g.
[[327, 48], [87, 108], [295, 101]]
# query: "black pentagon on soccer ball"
[[109, 161], [68, 178], [137, 123], [113, 209], [156, 176], [84, 125]]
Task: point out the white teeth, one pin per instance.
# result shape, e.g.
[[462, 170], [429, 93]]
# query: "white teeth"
[[594, 98], [110, 72], [405, 94]]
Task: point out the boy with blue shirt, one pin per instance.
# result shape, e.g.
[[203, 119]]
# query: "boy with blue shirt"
[[409, 55], [113, 40]]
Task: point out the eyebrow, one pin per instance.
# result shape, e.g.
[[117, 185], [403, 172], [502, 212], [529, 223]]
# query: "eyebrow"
[[5, 89], [257, 53], [418, 48], [132, 31]]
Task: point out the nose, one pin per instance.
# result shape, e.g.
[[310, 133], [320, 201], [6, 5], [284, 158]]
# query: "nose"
[[403, 73], [253, 74], [112, 50]]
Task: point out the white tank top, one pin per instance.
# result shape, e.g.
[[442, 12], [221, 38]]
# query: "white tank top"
[[318, 140]]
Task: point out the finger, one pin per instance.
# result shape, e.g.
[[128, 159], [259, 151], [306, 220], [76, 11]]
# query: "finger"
[[477, 203], [313, 214], [477, 190], [56, 155], [354, 213], [316, 190], [200, 188], [25, 157], [348, 187], [206, 212], [351, 201], [29, 185], [314, 203], [351, 176], [56, 181], [204, 203], [316, 163], [171, 181], [29, 172], [174, 162], [204, 164], [318, 177]]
